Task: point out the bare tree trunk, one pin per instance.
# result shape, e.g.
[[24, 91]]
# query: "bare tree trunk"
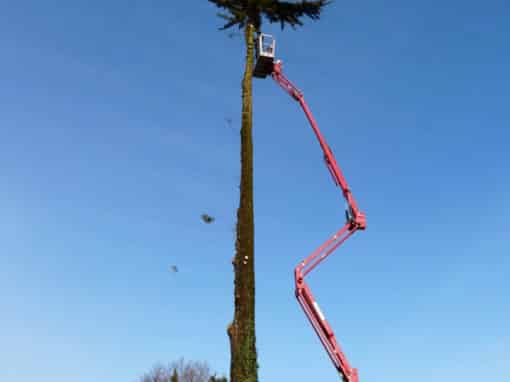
[[241, 332]]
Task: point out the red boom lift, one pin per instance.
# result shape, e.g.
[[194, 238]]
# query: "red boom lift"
[[355, 219]]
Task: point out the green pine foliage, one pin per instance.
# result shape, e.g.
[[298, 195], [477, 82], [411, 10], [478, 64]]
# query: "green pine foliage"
[[242, 12]]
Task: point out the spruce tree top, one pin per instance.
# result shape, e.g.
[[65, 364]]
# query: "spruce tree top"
[[242, 12]]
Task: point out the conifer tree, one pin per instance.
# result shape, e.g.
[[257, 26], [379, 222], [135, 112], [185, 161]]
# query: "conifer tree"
[[248, 15]]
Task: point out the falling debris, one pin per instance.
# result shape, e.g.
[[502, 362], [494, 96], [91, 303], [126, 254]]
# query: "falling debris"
[[207, 219]]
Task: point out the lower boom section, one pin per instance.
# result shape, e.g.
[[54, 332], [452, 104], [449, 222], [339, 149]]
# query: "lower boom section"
[[324, 331]]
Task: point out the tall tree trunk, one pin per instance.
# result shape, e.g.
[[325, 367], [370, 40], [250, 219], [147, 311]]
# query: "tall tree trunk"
[[241, 332]]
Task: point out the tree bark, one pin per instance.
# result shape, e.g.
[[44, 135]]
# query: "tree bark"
[[241, 332]]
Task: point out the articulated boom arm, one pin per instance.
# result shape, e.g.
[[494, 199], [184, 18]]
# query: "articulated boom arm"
[[355, 221]]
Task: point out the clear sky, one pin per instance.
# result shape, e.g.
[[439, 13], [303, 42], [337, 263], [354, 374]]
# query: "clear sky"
[[114, 139]]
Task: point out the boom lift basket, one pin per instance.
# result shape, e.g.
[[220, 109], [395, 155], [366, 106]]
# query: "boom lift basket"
[[265, 51]]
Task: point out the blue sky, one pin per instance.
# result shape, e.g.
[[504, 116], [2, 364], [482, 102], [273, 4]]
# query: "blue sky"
[[113, 141]]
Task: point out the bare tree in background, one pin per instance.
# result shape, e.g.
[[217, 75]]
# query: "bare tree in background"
[[158, 373], [186, 371], [192, 371]]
